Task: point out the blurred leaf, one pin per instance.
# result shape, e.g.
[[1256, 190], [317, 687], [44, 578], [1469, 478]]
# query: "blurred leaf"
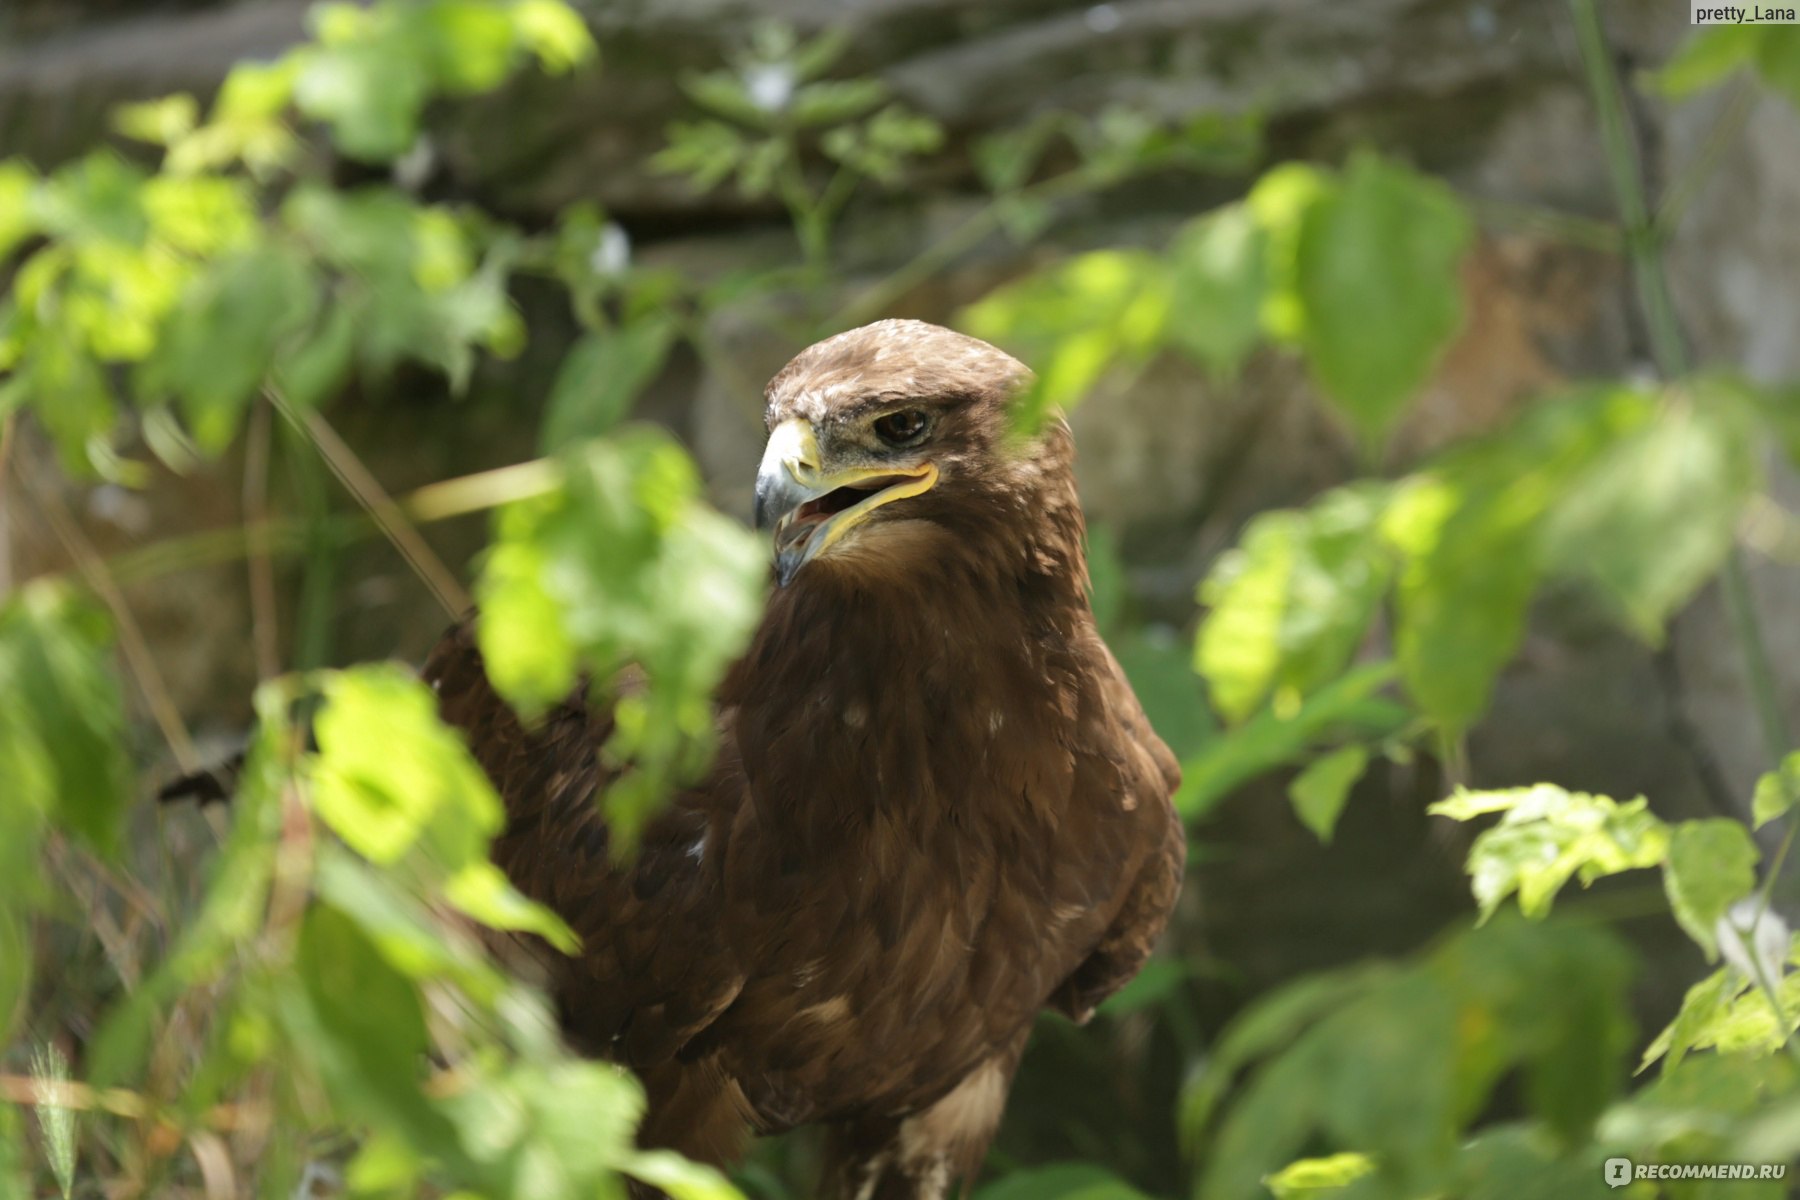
[[833, 101], [361, 1025], [600, 378], [1711, 866], [554, 32], [1318, 793], [482, 891], [320, 364], [1377, 276], [369, 96], [1060, 1181], [1290, 604], [18, 184], [1159, 980], [62, 721], [159, 122], [1220, 268], [1347, 706], [1701, 1009], [1713, 53], [1776, 792], [1275, 1020], [679, 1178], [223, 340], [1546, 836], [1074, 322], [1399, 1069], [1159, 667], [624, 566], [1654, 516], [1310, 1177]]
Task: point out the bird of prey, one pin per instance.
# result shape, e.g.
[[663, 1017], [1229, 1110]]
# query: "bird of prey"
[[937, 807]]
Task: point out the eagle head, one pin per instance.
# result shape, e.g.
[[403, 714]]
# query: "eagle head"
[[884, 433]]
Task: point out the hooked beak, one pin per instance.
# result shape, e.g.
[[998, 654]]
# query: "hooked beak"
[[809, 509]]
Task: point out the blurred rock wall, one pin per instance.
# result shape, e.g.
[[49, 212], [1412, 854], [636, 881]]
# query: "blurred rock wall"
[[1485, 92]]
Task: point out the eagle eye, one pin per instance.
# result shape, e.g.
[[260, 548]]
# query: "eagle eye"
[[903, 428]]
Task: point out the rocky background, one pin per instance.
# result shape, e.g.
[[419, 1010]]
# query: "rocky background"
[[1487, 93]]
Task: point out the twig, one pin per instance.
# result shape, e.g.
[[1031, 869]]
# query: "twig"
[[372, 496], [131, 638]]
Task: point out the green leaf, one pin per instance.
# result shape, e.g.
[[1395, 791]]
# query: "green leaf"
[[369, 95], [1654, 516], [1074, 322], [1273, 1022], [388, 767], [1292, 602], [833, 101], [1711, 866], [361, 1025], [624, 565], [222, 341], [1220, 277], [1376, 273], [62, 722], [1776, 792], [1702, 1007], [482, 891], [554, 32], [1349, 706], [1547, 836], [601, 376], [678, 1177], [1318, 793], [1310, 1177]]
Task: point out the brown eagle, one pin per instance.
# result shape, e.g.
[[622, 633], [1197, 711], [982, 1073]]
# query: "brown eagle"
[[937, 807]]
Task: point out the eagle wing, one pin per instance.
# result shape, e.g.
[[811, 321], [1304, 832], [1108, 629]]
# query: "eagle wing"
[[653, 970]]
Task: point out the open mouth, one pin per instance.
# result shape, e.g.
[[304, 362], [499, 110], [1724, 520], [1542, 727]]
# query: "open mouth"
[[800, 524]]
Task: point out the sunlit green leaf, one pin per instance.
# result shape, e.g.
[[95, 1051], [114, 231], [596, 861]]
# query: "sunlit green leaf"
[[1317, 1177], [1292, 601], [1547, 836], [1701, 1008], [1074, 322], [388, 767]]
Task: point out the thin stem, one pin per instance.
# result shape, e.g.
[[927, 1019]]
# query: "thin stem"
[[1666, 343], [138, 659], [369, 493], [433, 502]]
